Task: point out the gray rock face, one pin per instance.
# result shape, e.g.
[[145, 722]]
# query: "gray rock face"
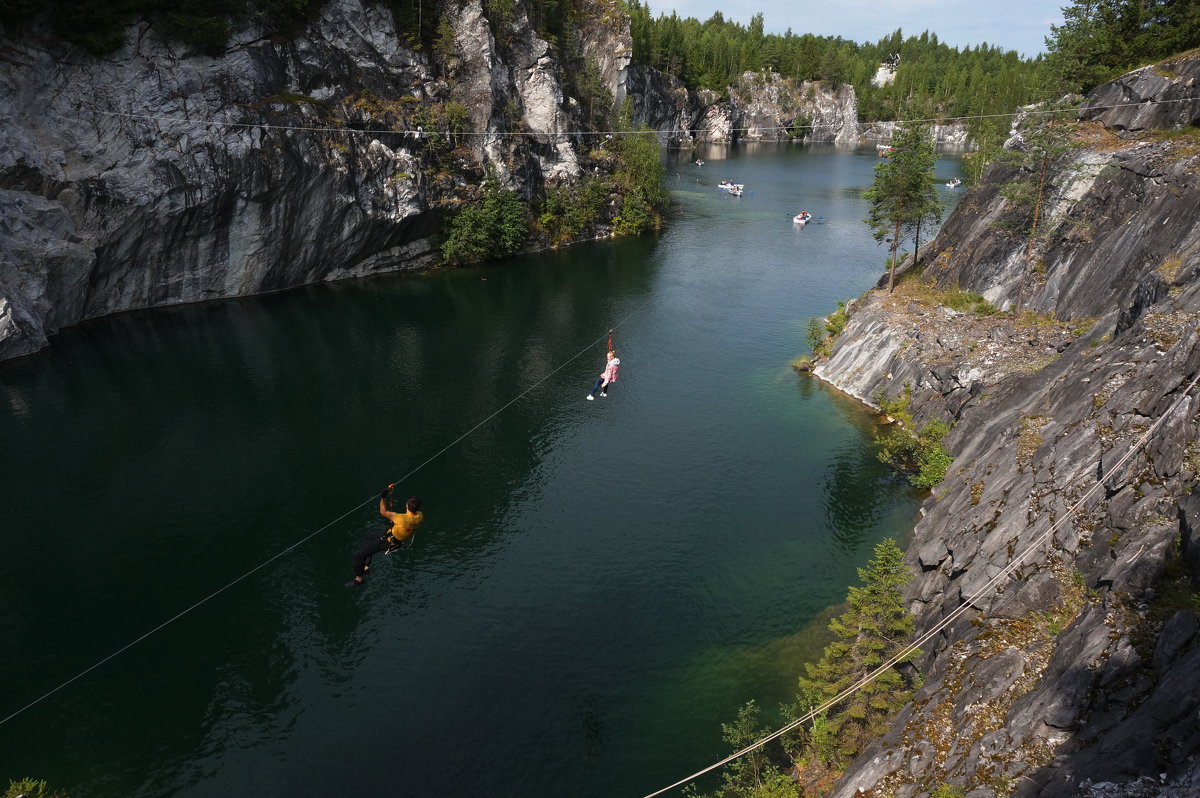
[[1119, 230], [1189, 529], [1076, 450], [1151, 98], [610, 48], [764, 107], [665, 104], [44, 271], [156, 176], [948, 136], [761, 107]]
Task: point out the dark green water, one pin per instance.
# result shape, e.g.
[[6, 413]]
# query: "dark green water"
[[598, 586]]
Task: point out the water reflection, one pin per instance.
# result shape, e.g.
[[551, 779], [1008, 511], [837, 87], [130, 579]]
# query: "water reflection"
[[853, 511]]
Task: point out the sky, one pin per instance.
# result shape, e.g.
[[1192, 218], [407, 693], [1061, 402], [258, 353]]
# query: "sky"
[[1020, 25]]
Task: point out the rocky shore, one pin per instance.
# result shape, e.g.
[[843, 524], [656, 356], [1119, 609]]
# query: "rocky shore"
[[1076, 675], [760, 107]]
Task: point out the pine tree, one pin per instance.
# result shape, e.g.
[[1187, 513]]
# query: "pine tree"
[[875, 626], [1079, 46], [903, 193], [1099, 39], [752, 775], [927, 208]]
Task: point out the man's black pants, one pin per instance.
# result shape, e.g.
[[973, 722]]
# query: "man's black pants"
[[372, 543]]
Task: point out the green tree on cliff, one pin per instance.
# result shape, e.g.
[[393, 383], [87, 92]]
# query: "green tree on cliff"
[[640, 175], [754, 774], [1040, 166], [903, 194], [31, 788], [494, 227], [1100, 39], [870, 632], [927, 209]]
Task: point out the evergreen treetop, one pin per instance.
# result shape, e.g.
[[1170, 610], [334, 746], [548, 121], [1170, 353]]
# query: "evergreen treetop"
[[903, 194], [874, 627], [1101, 39], [933, 80]]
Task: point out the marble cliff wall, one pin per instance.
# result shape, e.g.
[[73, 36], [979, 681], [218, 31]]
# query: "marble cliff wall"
[[157, 175], [760, 107], [1069, 678]]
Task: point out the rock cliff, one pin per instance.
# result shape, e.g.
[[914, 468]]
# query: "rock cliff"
[[760, 107], [1075, 674], [948, 135], [157, 175]]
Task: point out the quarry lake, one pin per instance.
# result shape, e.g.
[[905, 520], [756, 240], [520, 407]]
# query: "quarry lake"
[[597, 587]]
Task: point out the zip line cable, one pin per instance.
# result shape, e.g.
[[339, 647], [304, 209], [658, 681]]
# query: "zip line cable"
[[967, 604], [420, 134], [311, 535]]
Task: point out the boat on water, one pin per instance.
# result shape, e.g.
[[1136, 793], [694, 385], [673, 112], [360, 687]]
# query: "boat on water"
[[804, 217], [736, 191], [884, 150], [955, 183], [730, 186]]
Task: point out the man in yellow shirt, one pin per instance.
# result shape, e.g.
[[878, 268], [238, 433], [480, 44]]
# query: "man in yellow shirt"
[[403, 526]]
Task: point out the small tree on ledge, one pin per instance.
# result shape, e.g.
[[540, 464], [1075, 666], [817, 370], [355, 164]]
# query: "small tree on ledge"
[[903, 192], [875, 626]]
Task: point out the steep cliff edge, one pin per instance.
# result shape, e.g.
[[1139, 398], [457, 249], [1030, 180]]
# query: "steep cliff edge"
[[761, 106], [157, 175], [1075, 676]]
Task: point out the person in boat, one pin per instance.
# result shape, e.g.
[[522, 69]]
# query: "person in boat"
[[404, 525], [607, 377]]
